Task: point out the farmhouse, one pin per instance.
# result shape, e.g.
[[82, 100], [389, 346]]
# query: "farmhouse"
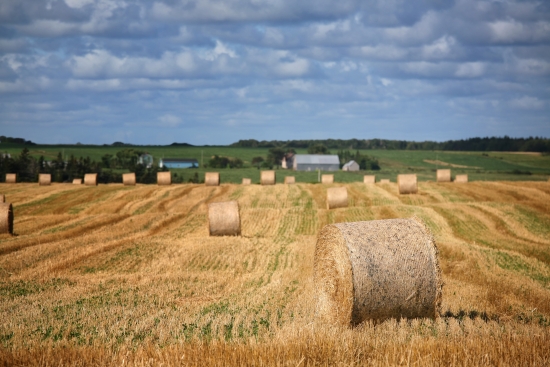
[[312, 162], [179, 163], [288, 160], [350, 166], [146, 160]]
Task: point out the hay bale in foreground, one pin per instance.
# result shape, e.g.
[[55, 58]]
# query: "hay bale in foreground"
[[407, 184], [2, 198], [77, 181], [164, 178], [461, 178], [327, 179], [129, 179], [385, 181], [224, 219], [290, 180], [11, 177], [376, 270], [443, 175], [212, 179], [44, 179], [369, 179], [337, 197], [267, 178], [90, 179], [246, 181], [6, 218]]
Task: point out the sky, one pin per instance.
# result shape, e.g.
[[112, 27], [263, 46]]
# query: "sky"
[[216, 71]]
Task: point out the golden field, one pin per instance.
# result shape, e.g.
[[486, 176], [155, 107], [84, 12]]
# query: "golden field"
[[115, 275]]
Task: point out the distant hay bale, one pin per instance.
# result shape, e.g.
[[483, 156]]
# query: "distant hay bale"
[[164, 178], [77, 181], [376, 270], [461, 179], [44, 179], [407, 184], [11, 177], [327, 179], [337, 197], [224, 219], [90, 179], [290, 180], [246, 181], [212, 179], [369, 179], [267, 178], [443, 175], [6, 218], [385, 181], [129, 179]]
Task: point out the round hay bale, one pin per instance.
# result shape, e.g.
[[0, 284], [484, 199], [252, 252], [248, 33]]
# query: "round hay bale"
[[77, 181], [385, 181], [212, 179], [461, 179], [290, 180], [246, 181], [90, 179], [2, 198], [369, 179], [11, 177], [44, 179], [443, 175], [407, 184], [337, 197], [6, 218], [267, 178], [164, 178], [376, 270], [224, 219], [327, 179], [129, 179]]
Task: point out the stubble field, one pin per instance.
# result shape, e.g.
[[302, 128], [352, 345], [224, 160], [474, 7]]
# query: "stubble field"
[[115, 275]]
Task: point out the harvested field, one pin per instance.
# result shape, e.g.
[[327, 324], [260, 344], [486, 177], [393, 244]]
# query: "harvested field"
[[114, 275]]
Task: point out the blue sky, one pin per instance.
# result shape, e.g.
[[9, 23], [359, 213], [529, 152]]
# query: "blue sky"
[[216, 71]]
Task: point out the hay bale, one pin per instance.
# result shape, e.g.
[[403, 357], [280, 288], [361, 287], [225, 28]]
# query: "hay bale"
[[369, 179], [77, 181], [407, 184], [327, 179], [290, 180], [11, 177], [443, 175], [385, 181], [461, 179], [212, 179], [2, 198], [246, 181], [44, 179], [337, 197], [129, 179], [164, 178], [267, 178], [224, 219], [6, 218], [90, 179], [376, 270]]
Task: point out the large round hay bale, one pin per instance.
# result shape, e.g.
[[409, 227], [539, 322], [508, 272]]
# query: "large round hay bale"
[[6, 218], [129, 179], [443, 175], [369, 179], [407, 183], [267, 178], [376, 270], [212, 179], [11, 177], [290, 180], [246, 181], [44, 179], [90, 179], [461, 178], [2, 198], [337, 197], [77, 181], [327, 179], [385, 181], [164, 178], [224, 219]]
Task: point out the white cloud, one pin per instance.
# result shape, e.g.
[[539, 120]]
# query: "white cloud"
[[169, 120], [440, 48], [78, 3], [528, 103], [470, 70]]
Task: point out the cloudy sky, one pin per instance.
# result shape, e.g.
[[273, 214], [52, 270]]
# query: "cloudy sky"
[[215, 71]]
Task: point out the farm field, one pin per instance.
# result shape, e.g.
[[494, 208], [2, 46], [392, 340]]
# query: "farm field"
[[115, 275]]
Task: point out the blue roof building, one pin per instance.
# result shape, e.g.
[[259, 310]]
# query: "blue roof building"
[[179, 163]]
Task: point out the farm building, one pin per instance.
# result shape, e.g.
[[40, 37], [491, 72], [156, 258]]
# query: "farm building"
[[312, 162], [351, 166], [288, 160], [146, 160], [179, 163]]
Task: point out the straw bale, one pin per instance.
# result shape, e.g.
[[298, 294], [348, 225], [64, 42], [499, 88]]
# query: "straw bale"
[[2, 198], [385, 181], [369, 179], [90, 179], [6, 218], [407, 183], [267, 178], [44, 179], [443, 175], [212, 179], [461, 178], [290, 180], [77, 181], [246, 181], [129, 179], [327, 179], [11, 177], [164, 178], [337, 197], [376, 270], [224, 219]]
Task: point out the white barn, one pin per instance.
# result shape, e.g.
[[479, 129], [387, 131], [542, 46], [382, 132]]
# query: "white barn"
[[313, 162], [351, 166]]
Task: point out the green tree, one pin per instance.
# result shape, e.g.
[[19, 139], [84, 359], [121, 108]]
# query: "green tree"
[[317, 149]]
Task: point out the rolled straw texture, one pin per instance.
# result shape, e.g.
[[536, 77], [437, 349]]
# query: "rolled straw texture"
[[461, 178], [443, 175], [90, 179], [224, 219], [267, 178], [44, 179], [11, 177], [164, 178], [369, 179], [376, 270], [77, 181], [407, 184], [129, 179], [212, 179], [6, 218], [327, 179], [337, 197], [2, 198], [246, 181], [290, 180], [385, 181]]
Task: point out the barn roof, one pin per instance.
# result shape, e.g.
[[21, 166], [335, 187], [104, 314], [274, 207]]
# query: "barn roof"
[[316, 159], [349, 164], [179, 160]]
